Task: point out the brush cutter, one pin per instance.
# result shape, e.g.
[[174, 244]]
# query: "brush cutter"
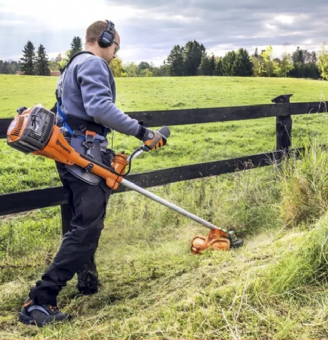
[[34, 131]]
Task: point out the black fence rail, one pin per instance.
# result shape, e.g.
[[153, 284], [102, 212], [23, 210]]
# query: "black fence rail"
[[212, 115], [282, 109]]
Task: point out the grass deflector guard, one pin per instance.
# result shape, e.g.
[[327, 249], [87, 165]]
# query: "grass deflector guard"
[[34, 131]]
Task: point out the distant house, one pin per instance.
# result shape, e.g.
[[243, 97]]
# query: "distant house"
[[55, 73], [20, 73]]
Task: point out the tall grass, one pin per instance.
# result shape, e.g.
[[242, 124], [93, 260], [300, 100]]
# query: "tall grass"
[[303, 183], [304, 186], [304, 264]]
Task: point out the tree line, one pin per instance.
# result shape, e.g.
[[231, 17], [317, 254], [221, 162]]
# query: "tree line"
[[192, 59], [37, 62], [189, 60]]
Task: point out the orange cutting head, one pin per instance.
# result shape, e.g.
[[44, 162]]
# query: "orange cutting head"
[[216, 240]]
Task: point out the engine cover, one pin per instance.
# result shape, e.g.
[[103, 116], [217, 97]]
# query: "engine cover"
[[30, 131]]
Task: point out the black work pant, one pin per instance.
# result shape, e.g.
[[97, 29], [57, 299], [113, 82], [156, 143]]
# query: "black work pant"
[[88, 205]]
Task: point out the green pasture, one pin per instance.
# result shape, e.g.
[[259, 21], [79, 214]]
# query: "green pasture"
[[274, 287], [188, 144], [146, 94]]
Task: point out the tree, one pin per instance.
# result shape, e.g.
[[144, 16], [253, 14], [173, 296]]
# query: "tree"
[[193, 54], [58, 58], [42, 62], [212, 65], [162, 71], [314, 59], [305, 65], [256, 60], [65, 60], [146, 73], [5, 68], [228, 63], [218, 68], [28, 60], [143, 65], [175, 61], [76, 46], [9, 67], [311, 70], [131, 69], [268, 66], [298, 56], [256, 66], [243, 66], [53, 65], [205, 68], [323, 62], [116, 65], [285, 64], [145, 69]]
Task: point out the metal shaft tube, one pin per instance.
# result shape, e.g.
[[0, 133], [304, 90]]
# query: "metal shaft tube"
[[138, 153], [172, 206]]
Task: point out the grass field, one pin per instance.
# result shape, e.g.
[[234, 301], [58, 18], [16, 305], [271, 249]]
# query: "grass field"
[[145, 94], [188, 144], [152, 287]]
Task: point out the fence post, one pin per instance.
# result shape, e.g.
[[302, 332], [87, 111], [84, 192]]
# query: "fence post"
[[66, 215], [283, 125]]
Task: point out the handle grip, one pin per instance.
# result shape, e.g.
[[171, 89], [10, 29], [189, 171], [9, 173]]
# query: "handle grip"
[[165, 131]]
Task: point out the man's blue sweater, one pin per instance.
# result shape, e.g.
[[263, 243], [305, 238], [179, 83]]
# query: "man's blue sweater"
[[89, 93]]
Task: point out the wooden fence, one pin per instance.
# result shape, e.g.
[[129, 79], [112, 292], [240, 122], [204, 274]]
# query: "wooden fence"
[[282, 109]]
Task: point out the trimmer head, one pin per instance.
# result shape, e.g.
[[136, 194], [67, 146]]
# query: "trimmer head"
[[215, 240]]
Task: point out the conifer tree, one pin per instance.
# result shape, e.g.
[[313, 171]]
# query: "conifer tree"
[[28, 60], [243, 66], [175, 61], [76, 46], [42, 62]]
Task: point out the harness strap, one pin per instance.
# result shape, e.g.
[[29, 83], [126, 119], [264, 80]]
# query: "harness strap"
[[70, 122], [64, 117]]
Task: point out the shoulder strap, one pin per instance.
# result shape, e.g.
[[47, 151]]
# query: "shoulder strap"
[[74, 56], [59, 88], [59, 91]]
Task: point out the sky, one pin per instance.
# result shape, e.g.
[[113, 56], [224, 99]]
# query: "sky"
[[150, 28]]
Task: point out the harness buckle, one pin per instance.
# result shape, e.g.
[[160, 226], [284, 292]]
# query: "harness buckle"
[[89, 139], [89, 142], [89, 167]]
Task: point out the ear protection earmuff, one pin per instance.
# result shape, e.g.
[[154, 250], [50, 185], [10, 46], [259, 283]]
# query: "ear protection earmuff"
[[107, 36]]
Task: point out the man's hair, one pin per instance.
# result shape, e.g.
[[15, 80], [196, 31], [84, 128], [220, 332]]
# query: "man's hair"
[[94, 30]]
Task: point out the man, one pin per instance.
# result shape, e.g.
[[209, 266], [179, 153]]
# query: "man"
[[86, 100]]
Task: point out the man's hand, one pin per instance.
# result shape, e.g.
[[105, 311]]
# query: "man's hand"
[[153, 139]]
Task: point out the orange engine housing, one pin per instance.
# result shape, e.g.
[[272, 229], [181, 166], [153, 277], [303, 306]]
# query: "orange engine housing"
[[30, 130], [34, 131]]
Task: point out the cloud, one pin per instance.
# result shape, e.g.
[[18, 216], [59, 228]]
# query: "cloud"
[[222, 26], [150, 28]]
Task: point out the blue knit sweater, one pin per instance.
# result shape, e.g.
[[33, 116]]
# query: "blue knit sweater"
[[89, 93]]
